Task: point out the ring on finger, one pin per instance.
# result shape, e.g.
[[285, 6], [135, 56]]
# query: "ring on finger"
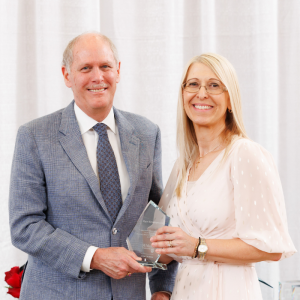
[[129, 274], [170, 244]]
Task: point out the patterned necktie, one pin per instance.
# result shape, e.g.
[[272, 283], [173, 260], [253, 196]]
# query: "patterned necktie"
[[108, 173]]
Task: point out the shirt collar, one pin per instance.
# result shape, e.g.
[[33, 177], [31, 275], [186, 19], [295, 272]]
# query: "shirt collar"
[[86, 123]]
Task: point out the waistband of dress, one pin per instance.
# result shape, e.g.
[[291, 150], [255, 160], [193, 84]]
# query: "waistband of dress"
[[207, 262]]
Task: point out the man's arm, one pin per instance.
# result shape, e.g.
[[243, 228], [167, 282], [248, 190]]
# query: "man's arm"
[[157, 184], [28, 207], [30, 231], [160, 280]]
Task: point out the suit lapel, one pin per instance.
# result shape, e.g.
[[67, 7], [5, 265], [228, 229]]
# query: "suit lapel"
[[71, 140], [130, 145]]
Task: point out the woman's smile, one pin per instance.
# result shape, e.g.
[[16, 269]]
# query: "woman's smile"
[[202, 107]]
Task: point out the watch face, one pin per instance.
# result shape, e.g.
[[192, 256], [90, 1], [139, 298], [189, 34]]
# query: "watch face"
[[202, 248]]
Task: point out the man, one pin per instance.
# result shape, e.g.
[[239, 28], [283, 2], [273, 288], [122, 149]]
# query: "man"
[[80, 179]]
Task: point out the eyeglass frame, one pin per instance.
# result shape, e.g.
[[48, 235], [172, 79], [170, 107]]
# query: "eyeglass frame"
[[224, 87]]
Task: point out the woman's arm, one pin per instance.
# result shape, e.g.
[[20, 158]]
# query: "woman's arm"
[[227, 251], [236, 250]]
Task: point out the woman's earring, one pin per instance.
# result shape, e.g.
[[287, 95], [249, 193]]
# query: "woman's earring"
[[229, 110]]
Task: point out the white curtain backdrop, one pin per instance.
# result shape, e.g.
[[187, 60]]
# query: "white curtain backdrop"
[[155, 40]]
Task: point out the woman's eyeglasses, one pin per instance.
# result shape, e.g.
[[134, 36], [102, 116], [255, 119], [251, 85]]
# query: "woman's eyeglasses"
[[214, 87]]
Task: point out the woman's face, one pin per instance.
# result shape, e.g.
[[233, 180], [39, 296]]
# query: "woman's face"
[[202, 108]]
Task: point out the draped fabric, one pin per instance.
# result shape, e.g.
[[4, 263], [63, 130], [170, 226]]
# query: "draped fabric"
[[155, 39]]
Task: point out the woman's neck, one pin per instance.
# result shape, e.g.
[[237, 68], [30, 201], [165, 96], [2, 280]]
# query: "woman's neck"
[[209, 138]]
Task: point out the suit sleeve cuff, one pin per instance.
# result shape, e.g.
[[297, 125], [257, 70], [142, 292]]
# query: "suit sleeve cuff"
[[86, 264]]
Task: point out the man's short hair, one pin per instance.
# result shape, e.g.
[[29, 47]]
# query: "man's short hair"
[[68, 53]]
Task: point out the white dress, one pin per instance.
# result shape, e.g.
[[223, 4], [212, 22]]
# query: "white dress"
[[240, 197]]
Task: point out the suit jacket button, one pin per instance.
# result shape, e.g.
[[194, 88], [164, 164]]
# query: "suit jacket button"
[[114, 231]]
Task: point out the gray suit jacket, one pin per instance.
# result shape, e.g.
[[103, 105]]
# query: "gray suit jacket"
[[57, 211]]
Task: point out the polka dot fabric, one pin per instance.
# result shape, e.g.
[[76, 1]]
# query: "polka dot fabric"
[[240, 197], [110, 186]]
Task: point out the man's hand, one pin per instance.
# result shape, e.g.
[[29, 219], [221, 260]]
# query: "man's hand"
[[117, 262], [160, 296]]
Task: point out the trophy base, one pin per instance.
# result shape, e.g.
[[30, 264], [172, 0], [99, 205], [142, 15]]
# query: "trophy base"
[[154, 265]]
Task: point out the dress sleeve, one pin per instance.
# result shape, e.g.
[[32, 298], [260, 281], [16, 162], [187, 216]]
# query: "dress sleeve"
[[259, 203]]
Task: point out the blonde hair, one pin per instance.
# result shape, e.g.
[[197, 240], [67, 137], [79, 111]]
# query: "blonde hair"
[[186, 137], [68, 53]]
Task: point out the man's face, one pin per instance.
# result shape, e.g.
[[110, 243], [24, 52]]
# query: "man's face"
[[93, 76]]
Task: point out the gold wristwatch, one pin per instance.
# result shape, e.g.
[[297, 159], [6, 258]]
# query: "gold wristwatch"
[[202, 249]]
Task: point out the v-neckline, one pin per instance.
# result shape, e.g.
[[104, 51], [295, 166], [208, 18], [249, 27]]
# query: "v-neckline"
[[205, 171], [202, 177]]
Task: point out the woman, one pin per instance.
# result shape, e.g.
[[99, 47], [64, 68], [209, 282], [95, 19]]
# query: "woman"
[[224, 194]]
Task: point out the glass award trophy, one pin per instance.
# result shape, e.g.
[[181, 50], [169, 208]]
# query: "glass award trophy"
[[151, 219], [296, 292], [289, 290]]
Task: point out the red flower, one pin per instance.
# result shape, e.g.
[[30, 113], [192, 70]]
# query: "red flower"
[[13, 278], [15, 292]]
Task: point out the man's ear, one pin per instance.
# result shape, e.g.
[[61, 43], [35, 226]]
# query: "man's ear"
[[118, 71], [66, 76]]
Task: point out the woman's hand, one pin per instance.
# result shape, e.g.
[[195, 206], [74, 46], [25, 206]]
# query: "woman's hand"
[[173, 240]]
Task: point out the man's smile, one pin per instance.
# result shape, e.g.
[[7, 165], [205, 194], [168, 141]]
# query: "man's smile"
[[97, 90]]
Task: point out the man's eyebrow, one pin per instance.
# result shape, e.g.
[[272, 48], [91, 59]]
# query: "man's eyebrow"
[[90, 63], [107, 63], [83, 65]]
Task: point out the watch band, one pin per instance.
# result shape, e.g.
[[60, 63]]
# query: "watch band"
[[195, 254], [202, 249]]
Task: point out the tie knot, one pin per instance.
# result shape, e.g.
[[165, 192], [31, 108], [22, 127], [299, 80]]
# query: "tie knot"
[[100, 128]]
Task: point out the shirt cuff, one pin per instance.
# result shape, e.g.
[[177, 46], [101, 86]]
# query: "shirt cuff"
[[86, 264]]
